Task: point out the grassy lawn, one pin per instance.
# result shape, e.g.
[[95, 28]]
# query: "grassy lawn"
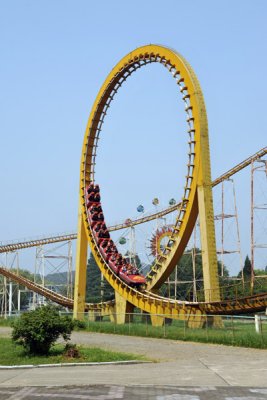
[[7, 321], [11, 354], [237, 334]]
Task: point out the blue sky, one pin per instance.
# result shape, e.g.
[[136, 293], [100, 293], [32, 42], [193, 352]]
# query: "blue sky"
[[55, 56]]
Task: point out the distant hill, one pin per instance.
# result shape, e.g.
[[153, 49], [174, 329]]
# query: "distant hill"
[[58, 278]]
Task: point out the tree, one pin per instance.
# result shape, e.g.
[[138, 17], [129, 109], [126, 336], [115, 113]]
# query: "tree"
[[247, 269], [24, 295], [185, 275], [95, 286], [38, 330]]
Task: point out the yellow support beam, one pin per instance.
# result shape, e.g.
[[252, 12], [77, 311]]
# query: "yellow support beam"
[[80, 273], [124, 309], [206, 217]]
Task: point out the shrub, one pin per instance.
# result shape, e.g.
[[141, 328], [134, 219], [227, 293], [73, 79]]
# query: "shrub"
[[79, 325], [38, 330], [71, 351]]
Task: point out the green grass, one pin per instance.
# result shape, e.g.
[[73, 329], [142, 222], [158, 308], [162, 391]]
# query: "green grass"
[[7, 321], [237, 334], [234, 333], [11, 354]]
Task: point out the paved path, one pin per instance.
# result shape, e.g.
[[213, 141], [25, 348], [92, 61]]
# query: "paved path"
[[182, 371], [108, 392]]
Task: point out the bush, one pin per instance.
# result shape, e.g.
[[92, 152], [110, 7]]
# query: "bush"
[[71, 351], [79, 325], [38, 330]]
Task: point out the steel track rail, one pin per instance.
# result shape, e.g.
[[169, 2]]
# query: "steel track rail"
[[36, 242], [47, 293], [240, 166], [50, 294], [62, 238], [242, 305]]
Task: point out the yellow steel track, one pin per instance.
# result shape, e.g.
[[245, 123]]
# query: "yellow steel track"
[[167, 306], [197, 191], [197, 197], [18, 245]]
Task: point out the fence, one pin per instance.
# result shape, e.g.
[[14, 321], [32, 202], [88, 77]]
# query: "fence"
[[247, 331]]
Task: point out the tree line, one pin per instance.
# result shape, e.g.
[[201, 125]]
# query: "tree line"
[[98, 289]]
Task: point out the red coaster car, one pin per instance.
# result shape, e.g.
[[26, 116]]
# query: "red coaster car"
[[92, 221], [92, 194], [92, 188], [92, 198], [95, 207], [107, 248], [115, 263], [99, 225], [99, 229], [95, 216], [102, 234], [103, 246], [132, 279]]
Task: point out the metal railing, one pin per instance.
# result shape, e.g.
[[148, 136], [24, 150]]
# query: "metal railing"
[[245, 330]]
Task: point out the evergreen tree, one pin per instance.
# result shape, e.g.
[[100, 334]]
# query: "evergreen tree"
[[94, 285], [247, 268], [185, 274]]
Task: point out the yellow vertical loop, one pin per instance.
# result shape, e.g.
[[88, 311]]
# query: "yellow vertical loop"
[[197, 197]]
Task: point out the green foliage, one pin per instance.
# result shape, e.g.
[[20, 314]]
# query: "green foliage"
[[96, 290], [24, 296], [245, 288], [62, 282], [247, 268], [185, 276], [72, 351], [6, 321], [233, 333], [38, 330], [259, 272], [79, 324], [15, 355]]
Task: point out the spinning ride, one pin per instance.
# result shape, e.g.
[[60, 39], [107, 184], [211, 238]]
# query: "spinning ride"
[[197, 196], [156, 242]]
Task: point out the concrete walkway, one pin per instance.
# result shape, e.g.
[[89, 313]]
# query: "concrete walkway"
[[176, 363]]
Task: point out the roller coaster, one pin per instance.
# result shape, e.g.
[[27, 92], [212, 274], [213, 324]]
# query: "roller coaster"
[[19, 245], [196, 201]]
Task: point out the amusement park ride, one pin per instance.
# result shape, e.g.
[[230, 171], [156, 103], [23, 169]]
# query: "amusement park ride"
[[132, 289]]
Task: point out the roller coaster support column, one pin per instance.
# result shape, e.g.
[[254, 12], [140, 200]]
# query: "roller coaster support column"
[[207, 233], [206, 219], [80, 273], [123, 309], [157, 320]]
